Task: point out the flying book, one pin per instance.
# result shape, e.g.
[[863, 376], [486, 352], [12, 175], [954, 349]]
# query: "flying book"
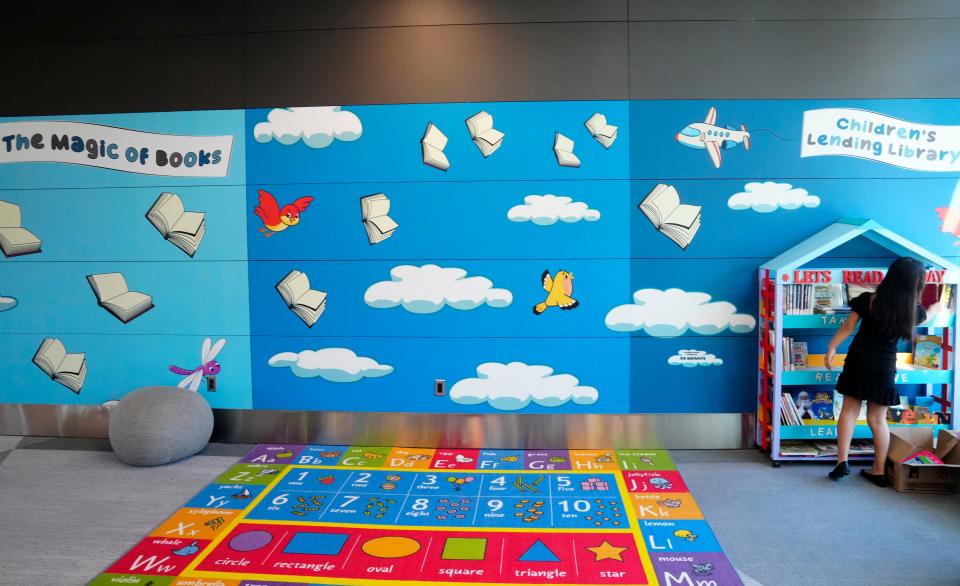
[[600, 130], [69, 370], [433, 143], [306, 303], [374, 209], [487, 138], [14, 240], [678, 222], [563, 149], [183, 229], [113, 295]]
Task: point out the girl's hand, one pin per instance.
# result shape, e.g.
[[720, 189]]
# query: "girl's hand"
[[828, 358]]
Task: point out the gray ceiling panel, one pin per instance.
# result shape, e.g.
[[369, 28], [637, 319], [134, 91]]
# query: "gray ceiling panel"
[[438, 64]]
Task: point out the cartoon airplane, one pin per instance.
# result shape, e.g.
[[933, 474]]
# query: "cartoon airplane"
[[707, 135]]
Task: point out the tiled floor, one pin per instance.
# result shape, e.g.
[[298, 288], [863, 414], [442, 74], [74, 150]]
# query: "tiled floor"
[[69, 508]]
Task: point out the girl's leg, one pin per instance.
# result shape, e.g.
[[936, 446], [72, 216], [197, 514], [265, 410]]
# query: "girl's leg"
[[877, 419], [848, 419]]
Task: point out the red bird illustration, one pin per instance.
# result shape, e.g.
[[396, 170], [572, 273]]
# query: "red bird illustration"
[[951, 221], [275, 218]]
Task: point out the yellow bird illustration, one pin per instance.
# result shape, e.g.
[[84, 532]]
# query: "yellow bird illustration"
[[559, 290]]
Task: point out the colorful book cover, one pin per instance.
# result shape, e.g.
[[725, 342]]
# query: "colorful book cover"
[[822, 406], [922, 457], [799, 354], [928, 351]]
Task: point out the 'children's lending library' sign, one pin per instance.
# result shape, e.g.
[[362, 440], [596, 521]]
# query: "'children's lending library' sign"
[[868, 135], [108, 147]]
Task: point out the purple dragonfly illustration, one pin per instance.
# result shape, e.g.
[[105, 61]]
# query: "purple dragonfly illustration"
[[208, 366]]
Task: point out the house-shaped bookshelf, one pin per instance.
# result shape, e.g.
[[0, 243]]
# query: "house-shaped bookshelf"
[[803, 297]]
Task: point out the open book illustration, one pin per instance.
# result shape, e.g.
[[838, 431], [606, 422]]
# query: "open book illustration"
[[600, 130], [374, 209], [14, 240], [301, 299], [183, 229], [677, 221], [113, 295], [563, 149], [69, 370], [433, 143], [487, 138]]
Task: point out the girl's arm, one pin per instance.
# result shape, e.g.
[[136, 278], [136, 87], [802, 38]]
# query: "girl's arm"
[[842, 334]]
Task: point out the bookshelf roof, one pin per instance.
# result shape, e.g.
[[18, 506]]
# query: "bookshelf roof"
[[845, 230]]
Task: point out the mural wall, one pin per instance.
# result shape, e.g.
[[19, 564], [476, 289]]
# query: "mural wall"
[[590, 257]]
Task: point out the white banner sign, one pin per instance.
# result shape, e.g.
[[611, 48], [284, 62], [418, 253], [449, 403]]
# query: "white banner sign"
[[94, 145], [848, 132]]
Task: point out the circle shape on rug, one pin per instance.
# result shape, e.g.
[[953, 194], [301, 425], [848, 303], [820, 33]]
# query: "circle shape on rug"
[[391, 547], [250, 540]]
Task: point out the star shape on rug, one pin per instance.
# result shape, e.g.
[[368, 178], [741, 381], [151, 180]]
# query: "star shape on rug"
[[605, 551]]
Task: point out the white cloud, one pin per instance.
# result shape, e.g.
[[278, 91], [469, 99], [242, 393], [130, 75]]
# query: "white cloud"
[[670, 313], [428, 288], [769, 196], [337, 365], [513, 386], [7, 303], [317, 127], [693, 359], [544, 210]]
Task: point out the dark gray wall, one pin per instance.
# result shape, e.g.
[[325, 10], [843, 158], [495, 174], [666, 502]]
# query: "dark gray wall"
[[124, 57]]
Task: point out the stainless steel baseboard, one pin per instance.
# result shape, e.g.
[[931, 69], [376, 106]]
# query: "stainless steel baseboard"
[[671, 431]]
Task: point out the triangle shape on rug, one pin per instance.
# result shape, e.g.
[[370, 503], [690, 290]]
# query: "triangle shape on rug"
[[538, 552]]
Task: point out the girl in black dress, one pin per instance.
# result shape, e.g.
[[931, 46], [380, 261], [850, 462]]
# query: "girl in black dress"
[[885, 317]]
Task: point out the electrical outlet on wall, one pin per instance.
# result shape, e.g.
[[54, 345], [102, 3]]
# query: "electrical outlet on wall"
[[440, 387], [212, 384]]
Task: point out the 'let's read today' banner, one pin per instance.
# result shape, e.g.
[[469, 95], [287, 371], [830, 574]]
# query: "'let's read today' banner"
[[95, 145], [867, 135]]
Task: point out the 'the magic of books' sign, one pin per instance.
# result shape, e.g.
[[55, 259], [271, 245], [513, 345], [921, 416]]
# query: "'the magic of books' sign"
[[869, 135], [120, 149]]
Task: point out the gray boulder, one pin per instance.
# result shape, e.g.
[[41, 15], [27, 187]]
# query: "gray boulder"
[[159, 425]]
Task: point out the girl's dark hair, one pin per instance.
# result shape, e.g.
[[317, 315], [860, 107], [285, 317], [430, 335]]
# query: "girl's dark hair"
[[895, 303]]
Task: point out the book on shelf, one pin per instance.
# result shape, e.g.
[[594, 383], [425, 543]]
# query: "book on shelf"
[[677, 221], [795, 354], [599, 129], [786, 352], [487, 138], [563, 150], [859, 447], [374, 209], [181, 228], [798, 448], [789, 413], [821, 407], [14, 239], [829, 296], [432, 145], [928, 351], [114, 296], [826, 449], [304, 302], [798, 354], [70, 370], [809, 299]]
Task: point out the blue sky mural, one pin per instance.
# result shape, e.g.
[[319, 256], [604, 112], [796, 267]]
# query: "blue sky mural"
[[352, 256]]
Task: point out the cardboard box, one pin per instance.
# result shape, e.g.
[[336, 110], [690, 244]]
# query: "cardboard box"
[[907, 441]]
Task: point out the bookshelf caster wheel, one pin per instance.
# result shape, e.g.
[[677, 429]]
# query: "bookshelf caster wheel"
[[776, 464]]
